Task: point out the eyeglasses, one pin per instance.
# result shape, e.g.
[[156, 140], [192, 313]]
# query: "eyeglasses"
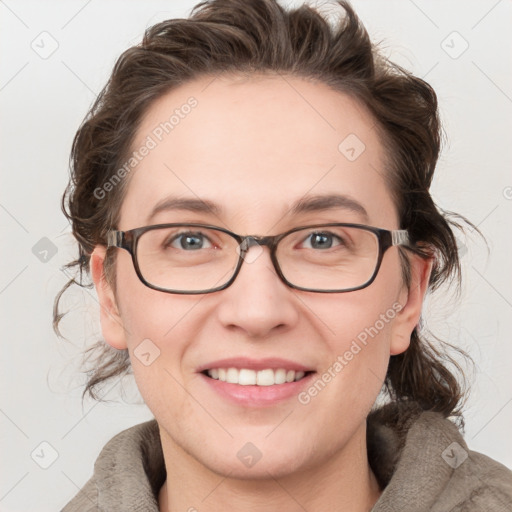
[[198, 258]]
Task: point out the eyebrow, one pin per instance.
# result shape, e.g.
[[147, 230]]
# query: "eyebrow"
[[328, 202], [185, 204], [306, 204]]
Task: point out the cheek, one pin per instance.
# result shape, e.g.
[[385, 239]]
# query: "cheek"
[[357, 331], [362, 316], [148, 313], [357, 334], [158, 327], [161, 330]]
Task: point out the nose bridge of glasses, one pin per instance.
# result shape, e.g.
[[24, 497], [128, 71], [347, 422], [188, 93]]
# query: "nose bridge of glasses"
[[250, 241]]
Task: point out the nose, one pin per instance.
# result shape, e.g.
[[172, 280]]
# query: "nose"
[[258, 303]]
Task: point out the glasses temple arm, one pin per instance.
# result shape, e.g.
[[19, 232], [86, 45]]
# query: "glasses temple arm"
[[115, 238], [400, 237]]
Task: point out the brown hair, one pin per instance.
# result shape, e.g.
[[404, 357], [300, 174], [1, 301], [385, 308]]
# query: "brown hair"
[[233, 36]]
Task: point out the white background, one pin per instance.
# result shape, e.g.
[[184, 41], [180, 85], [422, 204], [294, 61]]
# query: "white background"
[[44, 100]]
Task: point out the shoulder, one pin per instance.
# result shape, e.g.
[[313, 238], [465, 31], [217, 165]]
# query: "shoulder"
[[472, 480], [428, 466], [128, 473]]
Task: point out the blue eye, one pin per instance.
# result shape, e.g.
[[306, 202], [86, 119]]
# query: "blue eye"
[[190, 241], [321, 240]]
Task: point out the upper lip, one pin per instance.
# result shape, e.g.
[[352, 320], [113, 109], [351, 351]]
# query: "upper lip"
[[255, 364]]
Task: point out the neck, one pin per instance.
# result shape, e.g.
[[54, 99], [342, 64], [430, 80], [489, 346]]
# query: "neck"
[[342, 482]]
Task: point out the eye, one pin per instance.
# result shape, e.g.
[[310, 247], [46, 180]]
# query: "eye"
[[322, 240], [189, 241]]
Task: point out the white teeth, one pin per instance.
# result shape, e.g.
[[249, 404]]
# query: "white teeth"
[[247, 377], [232, 376], [280, 376], [265, 378], [299, 375]]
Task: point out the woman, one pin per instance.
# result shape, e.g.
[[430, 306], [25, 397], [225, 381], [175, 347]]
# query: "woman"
[[250, 194]]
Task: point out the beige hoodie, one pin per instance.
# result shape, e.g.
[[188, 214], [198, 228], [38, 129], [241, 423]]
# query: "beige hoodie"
[[420, 459]]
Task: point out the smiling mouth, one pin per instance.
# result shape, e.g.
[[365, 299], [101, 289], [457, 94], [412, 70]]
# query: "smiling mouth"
[[248, 377]]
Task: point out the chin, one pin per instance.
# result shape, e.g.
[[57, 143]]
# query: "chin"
[[261, 470], [246, 461]]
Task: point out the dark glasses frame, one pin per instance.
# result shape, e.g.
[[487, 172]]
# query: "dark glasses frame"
[[128, 240]]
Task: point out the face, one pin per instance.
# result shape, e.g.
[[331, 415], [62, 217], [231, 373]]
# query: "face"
[[254, 147]]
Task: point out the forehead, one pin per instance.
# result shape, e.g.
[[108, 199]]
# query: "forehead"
[[255, 146]]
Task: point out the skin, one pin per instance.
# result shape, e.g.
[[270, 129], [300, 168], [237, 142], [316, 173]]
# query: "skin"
[[254, 146]]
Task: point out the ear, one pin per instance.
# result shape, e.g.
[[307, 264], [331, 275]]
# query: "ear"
[[111, 322], [412, 301]]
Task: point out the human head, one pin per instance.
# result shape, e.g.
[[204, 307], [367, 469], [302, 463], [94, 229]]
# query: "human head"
[[261, 37]]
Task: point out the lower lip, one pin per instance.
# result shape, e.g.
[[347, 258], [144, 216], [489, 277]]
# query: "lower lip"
[[258, 396]]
